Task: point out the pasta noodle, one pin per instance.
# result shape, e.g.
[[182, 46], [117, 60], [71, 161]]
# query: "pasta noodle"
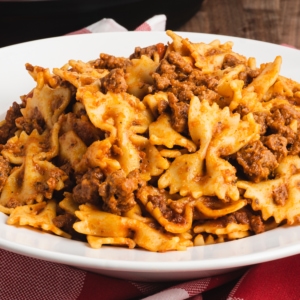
[[179, 145]]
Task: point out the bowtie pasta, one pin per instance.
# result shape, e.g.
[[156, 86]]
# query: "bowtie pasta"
[[178, 145]]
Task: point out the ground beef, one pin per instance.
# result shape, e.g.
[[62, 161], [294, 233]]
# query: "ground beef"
[[184, 91], [47, 187], [86, 190], [280, 195], [160, 201], [166, 69], [35, 121], [257, 224], [201, 79], [241, 217], [261, 119], [149, 51], [117, 191], [277, 144], [201, 86], [227, 219], [110, 62], [162, 106], [248, 75], [41, 187], [178, 76], [231, 61], [70, 181], [5, 170], [179, 115], [13, 203], [245, 216], [161, 82], [179, 62], [279, 120], [8, 129], [242, 110], [114, 82], [163, 75], [82, 126], [209, 95], [86, 131], [64, 222], [258, 162], [295, 147]]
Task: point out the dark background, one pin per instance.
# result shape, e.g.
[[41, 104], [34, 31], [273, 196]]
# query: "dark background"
[[275, 21], [22, 21]]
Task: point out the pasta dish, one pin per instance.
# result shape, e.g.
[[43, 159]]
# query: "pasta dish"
[[178, 145]]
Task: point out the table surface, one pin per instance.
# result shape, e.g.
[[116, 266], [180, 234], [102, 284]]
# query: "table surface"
[[275, 21]]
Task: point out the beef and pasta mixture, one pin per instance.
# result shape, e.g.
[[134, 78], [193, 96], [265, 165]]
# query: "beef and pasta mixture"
[[178, 145]]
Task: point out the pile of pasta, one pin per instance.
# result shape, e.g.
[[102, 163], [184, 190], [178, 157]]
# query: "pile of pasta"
[[178, 145]]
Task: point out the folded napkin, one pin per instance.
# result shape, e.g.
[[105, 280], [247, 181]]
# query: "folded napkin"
[[25, 278], [156, 23]]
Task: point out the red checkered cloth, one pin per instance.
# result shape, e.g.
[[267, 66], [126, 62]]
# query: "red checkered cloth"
[[25, 278]]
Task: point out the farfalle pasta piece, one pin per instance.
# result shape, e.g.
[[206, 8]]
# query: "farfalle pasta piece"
[[97, 242], [170, 153], [266, 78], [177, 44], [81, 74], [287, 88], [210, 57], [202, 121], [38, 215], [98, 155], [42, 76], [181, 225], [97, 223], [136, 213], [13, 151], [87, 68], [71, 148], [47, 103], [110, 111], [161, 128], [138, 75], [156, 163], [152, 101], [215, 227], [214, 208], [234, 134], [182, 175], [253, 94], [36, 178], [116, 114], [237, 235], [68, 204], [231, 87], [201, 240], [243, 98], [277, 197], [186, 174]]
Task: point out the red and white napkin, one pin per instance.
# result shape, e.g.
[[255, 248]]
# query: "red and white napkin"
[[25, 278], [156, 23]]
